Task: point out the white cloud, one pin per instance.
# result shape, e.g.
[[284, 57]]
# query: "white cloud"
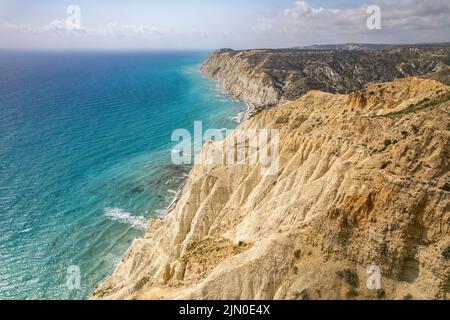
[[116, 29], [62, 26], [302, 9], [113, 29], [401, 20], [301, 23], [19, 28]]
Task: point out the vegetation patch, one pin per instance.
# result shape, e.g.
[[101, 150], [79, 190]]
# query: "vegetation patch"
[[381, 294], [446, 187], [446, 253], [408, 297], [352, 294], [349, 277], [421, 105], [201, 257]]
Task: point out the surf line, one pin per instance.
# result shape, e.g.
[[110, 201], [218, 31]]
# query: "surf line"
[[174, 202]]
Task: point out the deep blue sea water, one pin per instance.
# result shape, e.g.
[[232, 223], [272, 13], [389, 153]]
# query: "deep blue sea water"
[[85, 141]]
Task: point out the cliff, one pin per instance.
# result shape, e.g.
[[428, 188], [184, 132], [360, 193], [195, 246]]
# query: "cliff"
[[363, 178], [270, 77]]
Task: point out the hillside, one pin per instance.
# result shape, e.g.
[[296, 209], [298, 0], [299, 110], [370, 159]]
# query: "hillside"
[[364, 178], [270, 77]]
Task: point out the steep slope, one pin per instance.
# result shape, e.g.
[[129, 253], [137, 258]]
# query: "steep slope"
[[364, 178], [269, 77]]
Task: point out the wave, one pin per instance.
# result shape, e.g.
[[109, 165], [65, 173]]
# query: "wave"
[[119, 215]]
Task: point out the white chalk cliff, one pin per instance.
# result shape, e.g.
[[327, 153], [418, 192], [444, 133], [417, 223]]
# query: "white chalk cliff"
[[363, 178]]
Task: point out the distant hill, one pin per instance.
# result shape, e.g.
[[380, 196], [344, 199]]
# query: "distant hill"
[[267, 77], [365, 46], [344, 46]]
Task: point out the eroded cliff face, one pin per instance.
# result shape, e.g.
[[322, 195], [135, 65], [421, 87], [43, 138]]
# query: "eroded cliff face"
[[269, 77], [363, 178]]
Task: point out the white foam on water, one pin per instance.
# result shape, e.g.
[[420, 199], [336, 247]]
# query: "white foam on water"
[[26, 230], [239, 117], [119, 215], [112, 259]]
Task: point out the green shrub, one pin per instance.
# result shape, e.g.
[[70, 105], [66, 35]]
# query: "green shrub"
[[408, 297], [351, 294], [381, 294], [446, 253], [350, 277]]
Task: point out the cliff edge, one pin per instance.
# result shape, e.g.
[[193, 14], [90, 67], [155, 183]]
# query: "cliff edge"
[[363, 179], [268, 77]]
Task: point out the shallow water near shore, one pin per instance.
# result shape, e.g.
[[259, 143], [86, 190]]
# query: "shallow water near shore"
[[85, 143]]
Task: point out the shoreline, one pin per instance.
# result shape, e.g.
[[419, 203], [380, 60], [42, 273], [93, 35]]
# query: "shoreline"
[[242, 116], [164, 214], [193, 253], [245, 114], [174, 202], [238, 119]]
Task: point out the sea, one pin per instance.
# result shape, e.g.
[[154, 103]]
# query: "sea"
[[85, 158]]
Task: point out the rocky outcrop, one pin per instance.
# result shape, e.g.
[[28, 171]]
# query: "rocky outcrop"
[[270, 77], [363, 178]]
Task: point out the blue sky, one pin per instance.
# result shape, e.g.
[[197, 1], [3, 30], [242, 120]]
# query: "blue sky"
[[213, 24]]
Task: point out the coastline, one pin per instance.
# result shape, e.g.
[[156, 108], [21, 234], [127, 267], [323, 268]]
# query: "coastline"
[[223, 240], [174, 201], [230, 233], [113, 162], [242, 116], [239, 118]]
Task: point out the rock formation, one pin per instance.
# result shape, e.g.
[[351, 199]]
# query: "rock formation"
[[270, 77], [363, 178]]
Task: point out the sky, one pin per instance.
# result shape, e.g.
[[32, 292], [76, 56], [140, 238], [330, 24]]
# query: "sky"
[[209, 24]]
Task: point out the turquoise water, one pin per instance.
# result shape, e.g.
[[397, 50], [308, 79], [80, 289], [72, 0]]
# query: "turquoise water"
[[85, 143]]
